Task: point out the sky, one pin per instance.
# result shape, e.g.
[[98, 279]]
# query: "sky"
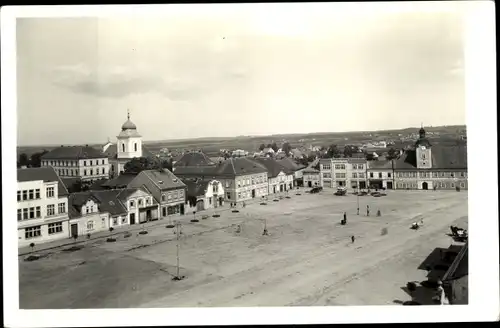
[[205, 71]]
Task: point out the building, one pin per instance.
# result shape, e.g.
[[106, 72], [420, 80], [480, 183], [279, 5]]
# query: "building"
[[94, 211], [279, 178], [311, 177], [193, 159], [425, 166], [166, 188], [203, 194], [242, 178], [128, 145], [42, 206], [83, 162], [294, 167], [381, 174], [456, 279], [343, 172]]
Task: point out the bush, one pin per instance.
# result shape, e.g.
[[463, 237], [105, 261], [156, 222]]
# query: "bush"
[[216, 215], [73, 249], [111, 240], [195, 220], [170, 226], [263, 203], [127, 234], [143, 232], [235, 211]]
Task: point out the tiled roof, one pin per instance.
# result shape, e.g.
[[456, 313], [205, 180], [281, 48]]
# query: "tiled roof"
[[46, 174], [238, 166], [196, 188], [356, 160], [164, 179], [107, 201], [380, 164], [291, 164], [120, 181], [69, 181], [442, 157], [194, 159], [310, 170], [98, 185], [196, 171], [73, 152], [272, 166]]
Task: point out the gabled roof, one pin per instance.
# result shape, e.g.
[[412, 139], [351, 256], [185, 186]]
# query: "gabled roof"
[[380, 164], [73, 153], [356, 160], [310, 170], [272, 166], [442, 157], [46, 174], [121, 181], [239, 166], [107, 200], [163, 179], [291, 164], [194, 159]]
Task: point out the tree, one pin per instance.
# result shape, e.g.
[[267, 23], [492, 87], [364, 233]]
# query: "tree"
[[348, 151], [286, 148], [32, 245], [23, 160], [167, 164], [36, 159], [392, 154], [333, 151], [274, 146], [139, 164], [261, 147]]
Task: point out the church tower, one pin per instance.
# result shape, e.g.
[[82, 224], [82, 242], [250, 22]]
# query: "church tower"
[[423, 151], [129, 141]]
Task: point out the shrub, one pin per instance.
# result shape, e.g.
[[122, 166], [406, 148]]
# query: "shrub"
[[384, 231]]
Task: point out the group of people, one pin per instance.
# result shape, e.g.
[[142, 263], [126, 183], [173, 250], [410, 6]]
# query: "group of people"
[[234, 204]]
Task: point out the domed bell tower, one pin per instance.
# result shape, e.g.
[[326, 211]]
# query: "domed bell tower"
[[129, 141]]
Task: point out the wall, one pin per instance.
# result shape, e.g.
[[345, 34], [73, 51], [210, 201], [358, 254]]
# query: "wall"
[[80, 168], [45, 237], [442, 179], [129, 147]]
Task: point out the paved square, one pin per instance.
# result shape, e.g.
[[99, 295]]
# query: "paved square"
[[308, 258]]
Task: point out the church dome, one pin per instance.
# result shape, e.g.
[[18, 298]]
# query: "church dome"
[[128, 125]]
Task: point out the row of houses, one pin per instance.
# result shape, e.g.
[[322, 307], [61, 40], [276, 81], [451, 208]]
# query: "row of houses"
[[422, 166]]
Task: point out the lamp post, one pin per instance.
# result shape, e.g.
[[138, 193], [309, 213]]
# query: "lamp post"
[[357, 195]]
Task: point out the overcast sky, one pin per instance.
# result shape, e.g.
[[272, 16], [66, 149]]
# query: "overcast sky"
[[211, 73]]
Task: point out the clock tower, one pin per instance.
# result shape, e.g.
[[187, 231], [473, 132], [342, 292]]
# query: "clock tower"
[[423, 151]]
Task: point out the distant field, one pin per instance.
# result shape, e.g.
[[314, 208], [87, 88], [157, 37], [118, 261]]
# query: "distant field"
[[211, 146]]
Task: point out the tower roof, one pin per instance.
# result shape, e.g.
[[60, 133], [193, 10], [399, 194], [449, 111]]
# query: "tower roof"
[[128, 125]]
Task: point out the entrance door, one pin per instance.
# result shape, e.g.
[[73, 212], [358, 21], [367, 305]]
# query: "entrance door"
[[220, 201], [389, 184], [74, 229], [253, 193], [148, 215], [281, 188], [425, 186], [132, 218], [309, 184], [182, 209]]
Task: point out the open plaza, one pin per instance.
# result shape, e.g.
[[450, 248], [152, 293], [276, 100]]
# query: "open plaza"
[[308, 258]]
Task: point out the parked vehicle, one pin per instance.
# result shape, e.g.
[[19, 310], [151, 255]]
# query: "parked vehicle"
[[341, 191], [316, 190]]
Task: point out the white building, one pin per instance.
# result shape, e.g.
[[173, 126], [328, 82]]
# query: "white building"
[[82, 162], [311, 177], [203, 194], [42, 206], [128, 146], [343, 172]]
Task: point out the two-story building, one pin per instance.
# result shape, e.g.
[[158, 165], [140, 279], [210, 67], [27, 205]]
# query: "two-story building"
[[428, 167], [279, 178], [294, 167], [381, 174], [343, 172], [356, 172], [83, 162], [42, 206], [203, 194], [311, 177]]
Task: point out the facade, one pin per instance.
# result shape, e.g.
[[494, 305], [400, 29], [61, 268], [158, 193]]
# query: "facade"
[[241, 177], [428, 167], [83, 162], [311, 177], [381, 174], [294, 167], [166, 188], [279, 178], [456, 279], [202, 195], [343, 172], [42, 206], [94, 211], [128, 145]]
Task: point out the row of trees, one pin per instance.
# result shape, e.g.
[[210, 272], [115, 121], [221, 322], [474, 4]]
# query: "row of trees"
[[284, 147], [35, 160], [139, 164]]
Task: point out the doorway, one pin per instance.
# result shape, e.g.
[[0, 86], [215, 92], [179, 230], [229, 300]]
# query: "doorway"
[[220, 201], [132, 218], [389, 184], [182, 209], [425, 186], [148, 215], [74, 229], [253, 193], [309, 184]]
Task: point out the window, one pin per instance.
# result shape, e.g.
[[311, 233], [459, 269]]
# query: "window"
[[115, 221], [453, 185], [51, 209], [25, 214], [210, 201], [360, 166], [50, 192], [91, 163], [84, 172], [239, 195], [103, 171], [327, 167], [31, 194], [175, 195], [462, 174], [19, 215], [139, 202], [371, 174], [90, 225], [228, 195], [124, 220], [380, 175], [38, 211], [62, 208], [132, 203], [91, 172], [163, 197], [355, 175], [238, 184], [135, 146], [462, 184], [434, 174], [32, 212], [55, 228], [123, 147], [103, 162], [25, 194], [361, 175], [389, 175], [19, 195], [169, 197], [32, 232], [443, 185], [442, 174]]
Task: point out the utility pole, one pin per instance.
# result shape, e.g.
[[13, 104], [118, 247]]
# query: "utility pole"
[[357, 195], [178, 226]]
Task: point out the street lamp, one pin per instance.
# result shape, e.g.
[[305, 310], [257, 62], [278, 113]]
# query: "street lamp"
[[357, 195], [178, 276]]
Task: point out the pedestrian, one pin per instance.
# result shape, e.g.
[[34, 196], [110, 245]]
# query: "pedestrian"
[[358, 211], [441, 296], [244, 204], [345, 216], [352, 239], [367, 210]]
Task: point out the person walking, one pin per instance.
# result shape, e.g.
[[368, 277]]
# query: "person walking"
[[352, 239], [367, 210], [345, 217]]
